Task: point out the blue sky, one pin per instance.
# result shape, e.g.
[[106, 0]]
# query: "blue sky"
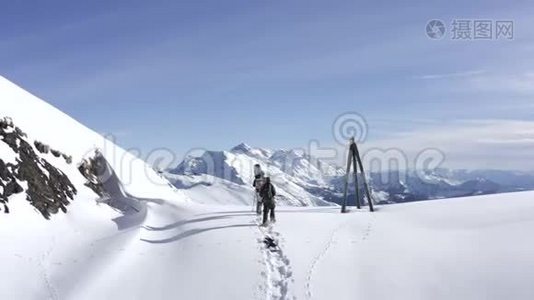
[[184, 74]]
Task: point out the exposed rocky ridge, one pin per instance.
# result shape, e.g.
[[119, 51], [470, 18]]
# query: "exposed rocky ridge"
[[48, 189], [8, 183], [93, 169]]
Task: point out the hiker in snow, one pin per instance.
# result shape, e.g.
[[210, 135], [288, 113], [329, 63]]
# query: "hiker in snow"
[[257, 184], [267, 193]]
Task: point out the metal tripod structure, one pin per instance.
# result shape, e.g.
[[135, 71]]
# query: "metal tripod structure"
[[354, 159]]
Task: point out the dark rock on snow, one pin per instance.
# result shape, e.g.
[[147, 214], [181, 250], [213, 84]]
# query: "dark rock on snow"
[[48, 188]]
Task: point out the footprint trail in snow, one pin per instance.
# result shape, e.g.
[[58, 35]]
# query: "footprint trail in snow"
[[318, 258], [278, 274], [332, 240]]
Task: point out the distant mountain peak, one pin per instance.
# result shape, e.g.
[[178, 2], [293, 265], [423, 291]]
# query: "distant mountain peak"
[[242, 147], [288, 153]]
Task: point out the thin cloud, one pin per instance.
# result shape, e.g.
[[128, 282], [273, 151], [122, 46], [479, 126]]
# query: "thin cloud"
[[521, 141], [452, 75], [472, 144], [522, 82]]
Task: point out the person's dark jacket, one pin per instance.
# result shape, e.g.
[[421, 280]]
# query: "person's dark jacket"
[[267, 192]]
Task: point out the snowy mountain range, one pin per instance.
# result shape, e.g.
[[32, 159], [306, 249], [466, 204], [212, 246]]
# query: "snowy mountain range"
[[303, 180], [292, 173]]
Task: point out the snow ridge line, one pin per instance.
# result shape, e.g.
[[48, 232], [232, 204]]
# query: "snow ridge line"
[[278, 273], [318, 258]]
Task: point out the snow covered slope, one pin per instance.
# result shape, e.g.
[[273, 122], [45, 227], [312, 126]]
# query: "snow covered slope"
[[207, 189], [463, 248], [27, 238], [45, 123]]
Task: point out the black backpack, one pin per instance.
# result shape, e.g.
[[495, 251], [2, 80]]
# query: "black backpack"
[[267, 191]]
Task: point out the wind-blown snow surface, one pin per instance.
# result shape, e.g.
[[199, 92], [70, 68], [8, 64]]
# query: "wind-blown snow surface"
[[464, 248]]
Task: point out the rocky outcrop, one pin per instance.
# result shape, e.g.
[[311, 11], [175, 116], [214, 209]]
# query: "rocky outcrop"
[[93, 169], [49, 190], [44, 149], [8, 184]]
